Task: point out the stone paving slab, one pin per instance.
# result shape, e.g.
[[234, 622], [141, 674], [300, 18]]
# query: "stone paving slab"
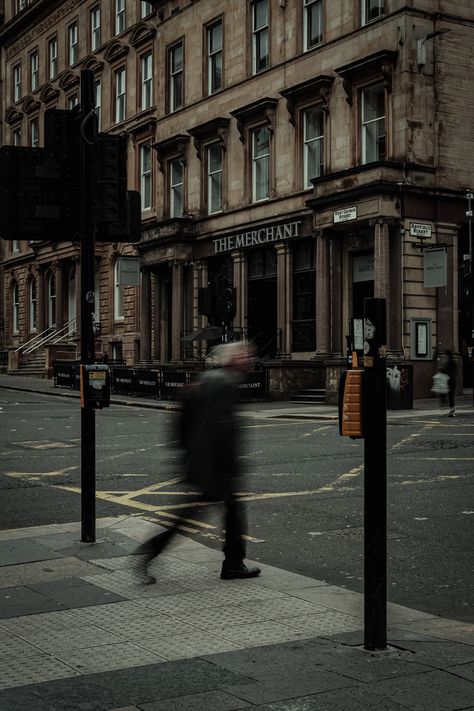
[[352, 699], [75, 592], [20, 600], [432, 691], [204, 701], [24, 551], [38, 668], [27, 573], [107, 657]]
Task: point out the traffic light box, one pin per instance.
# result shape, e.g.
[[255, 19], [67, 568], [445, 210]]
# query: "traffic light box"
[[218, 300], [41, 187]]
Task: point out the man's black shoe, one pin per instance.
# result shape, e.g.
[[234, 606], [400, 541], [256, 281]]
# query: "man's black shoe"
[[238, 571]]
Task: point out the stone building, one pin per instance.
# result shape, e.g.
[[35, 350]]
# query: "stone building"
[[313, 153]]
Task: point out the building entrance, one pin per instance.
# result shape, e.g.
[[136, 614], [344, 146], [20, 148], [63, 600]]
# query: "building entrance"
[[262, 302]]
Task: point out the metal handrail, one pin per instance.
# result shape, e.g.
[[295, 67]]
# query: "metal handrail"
[[51, 337], [70, 329], [37, 337]]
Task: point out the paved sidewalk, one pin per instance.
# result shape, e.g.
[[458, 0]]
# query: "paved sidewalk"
[[425, 407], [78, 632]]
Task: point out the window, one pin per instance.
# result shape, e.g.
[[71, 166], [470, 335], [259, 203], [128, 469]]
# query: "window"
[[260, 164], [214, 178], [53, 57], [52, 300], [147, 81], [119, 16], [176, 176], [373, 124], [118, 294], [313, 137], [214, 57], [32, 305], [98, 102], [95, 28], [15, 245], [34, 133], [145, 9], [260, 35], [304, 297], [72, 101], [312, 23], [120, 95], [72, 43], [371, 10], [145, 176], [34, 71], [15, 307], [21, 4], [175, 68], [17, 137], [17, 82]]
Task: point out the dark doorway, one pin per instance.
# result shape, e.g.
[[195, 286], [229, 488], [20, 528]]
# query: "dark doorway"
[[361, 290], [262, 316]]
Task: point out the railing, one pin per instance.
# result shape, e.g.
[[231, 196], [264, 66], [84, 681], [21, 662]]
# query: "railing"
[[164, 384], [68, 330], [303, 335], [268, 341], [37, 340]]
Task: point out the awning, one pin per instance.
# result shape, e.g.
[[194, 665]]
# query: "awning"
[[209, 333]]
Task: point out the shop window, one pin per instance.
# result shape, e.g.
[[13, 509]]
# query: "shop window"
[[118, 294], [52, 300], [372, 10], [53, 58], [312, 23], [146, 87], [176, 77], [95, 28], [120, 19], [15, 307], [176, 187], [145, 176], [373, 123], [313, 142], [32, 305], [34, 70], [260, 164], [17, 93], [214, 177], [214, 57], [260, 35], [303, 324], [120, 95]]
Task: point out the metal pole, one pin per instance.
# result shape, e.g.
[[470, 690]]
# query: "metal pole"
[[469, 197], [375, 475], [87, 305]]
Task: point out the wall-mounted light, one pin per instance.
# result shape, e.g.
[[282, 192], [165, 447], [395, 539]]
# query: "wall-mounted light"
[[421, 45]]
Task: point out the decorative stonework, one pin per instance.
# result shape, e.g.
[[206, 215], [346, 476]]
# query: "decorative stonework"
[[30, 105], [13, 116], [48, 94], [115, 50], [214, 130], [142, 33], [49, 22], [68, 79], [262, 111]]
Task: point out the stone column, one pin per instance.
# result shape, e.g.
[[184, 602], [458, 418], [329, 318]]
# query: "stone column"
[[447, 298], [156, 328], [177, 311], [323, 300], [337, 298], [241, 284], [41, 297], [283, 296], [78, 296], [382, 266], [145, 316]]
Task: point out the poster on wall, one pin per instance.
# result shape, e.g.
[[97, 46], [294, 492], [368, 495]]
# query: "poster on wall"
[[435, 268]]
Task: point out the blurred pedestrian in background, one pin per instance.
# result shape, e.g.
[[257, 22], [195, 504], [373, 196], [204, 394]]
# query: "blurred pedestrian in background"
[[210, 438], [448, 367]]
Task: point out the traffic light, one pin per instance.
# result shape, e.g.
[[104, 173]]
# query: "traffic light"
[[61, 182], [129, 230], [466, 284], [20, 188], [224, 300], [205, 301], [109, 180]]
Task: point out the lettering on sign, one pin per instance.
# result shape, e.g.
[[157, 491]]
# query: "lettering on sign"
[[345, 215], [420, 230], [253, 238]]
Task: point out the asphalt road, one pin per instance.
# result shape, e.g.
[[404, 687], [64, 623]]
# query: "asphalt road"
[[303, 491]]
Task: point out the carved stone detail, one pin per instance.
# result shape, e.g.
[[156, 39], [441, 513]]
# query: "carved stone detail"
[[51, 21]]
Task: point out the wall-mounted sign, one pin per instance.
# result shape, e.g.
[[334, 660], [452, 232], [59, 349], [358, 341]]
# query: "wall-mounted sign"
[[345, 215], [435, 268], [363, 268], [129, 271], [258, 236], [420, 230]]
